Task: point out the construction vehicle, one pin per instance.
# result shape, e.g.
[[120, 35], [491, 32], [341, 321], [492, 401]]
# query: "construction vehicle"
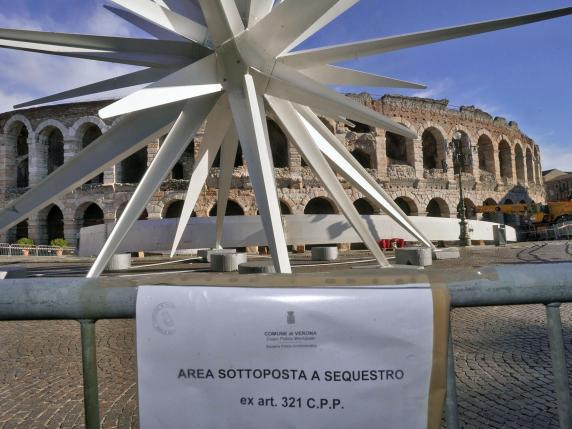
[[536, 214]]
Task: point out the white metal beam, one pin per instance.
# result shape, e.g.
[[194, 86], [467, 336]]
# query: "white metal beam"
[[223, 19], [333, 75], [167, 19], [218, 123], [143, 24], [136, 78], [250, 122], [227, 157], [287, 21], [187, 124], [337, 53], [195, 80]]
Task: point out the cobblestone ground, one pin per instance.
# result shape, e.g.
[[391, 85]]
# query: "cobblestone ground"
[[502, 357]]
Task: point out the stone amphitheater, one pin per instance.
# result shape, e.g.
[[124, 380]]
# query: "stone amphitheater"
[[418, 174]]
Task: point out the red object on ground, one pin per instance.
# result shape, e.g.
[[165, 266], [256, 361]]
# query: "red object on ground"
[[384, 244], [399, 242]]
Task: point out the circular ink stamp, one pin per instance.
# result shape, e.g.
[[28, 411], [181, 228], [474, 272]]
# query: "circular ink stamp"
[[163, 320]]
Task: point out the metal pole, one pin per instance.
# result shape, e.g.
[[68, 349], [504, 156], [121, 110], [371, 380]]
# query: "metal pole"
[[451, 408], [89, 361], [559, 369]]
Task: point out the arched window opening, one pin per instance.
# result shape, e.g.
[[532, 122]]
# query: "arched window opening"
[[486, 154], [489, 202], [319, 205], [362, 157], [232, 209], [93, 215], [55, 224], [238, 162], [361, 128], [55, 142], [278, 144], [22, 159], [437, 208], [364, 207], [284, 208], [529, 166], [407, 206], [466, 165], [22, 230], [505, 159], [134, 167], [395, 148], [174, 210], [433, 151], [519, 164], [470, 209], [178, 173], [91, 134]]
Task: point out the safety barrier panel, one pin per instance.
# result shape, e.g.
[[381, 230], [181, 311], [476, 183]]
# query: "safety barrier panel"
[[40, 250], [89, 300]]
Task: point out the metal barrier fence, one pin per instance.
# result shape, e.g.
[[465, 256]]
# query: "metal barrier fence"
[[89, 300], [40, 250]]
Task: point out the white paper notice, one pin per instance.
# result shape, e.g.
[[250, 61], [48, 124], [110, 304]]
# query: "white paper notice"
[[284, 358]]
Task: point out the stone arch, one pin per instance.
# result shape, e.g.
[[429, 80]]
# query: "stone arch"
[[364, 207], [51, 140], [320, 205], [505, 159], [14, 124], [519, 163], [407, 205], [538, 166], [133, 167], [467, 162], [233, 208], [508, 201], [486, 153], [17, 156], [438, 207], [362, 157], [278, 144], [80, 126], [89, 214], [529, 166], [433, 147]]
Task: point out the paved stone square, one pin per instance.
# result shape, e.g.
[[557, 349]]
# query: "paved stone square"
[[503, 362]]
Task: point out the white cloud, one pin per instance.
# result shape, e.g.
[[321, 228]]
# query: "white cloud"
[[434, 90]]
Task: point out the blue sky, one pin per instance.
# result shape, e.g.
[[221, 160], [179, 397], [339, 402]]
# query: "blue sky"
[[523, 74]]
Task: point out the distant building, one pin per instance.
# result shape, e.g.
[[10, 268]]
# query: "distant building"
[[505, 166], [558, 185]]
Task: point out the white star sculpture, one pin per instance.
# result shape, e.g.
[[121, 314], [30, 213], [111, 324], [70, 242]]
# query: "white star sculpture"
[[229, 62]]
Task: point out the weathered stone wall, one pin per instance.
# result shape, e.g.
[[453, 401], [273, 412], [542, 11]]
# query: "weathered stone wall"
[[418, 188]]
